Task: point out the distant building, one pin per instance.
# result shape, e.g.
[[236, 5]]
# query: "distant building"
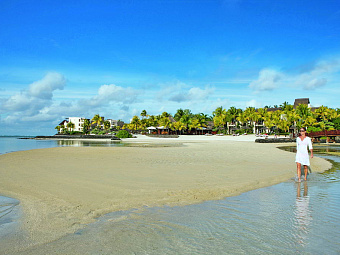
[[301, 101], [115, 123], [78, 123]]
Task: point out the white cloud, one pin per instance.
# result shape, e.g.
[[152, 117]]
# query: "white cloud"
[[319, 75], [170, 89], [268, 80], [194, 94], [30, 102], [315, 83], [253, 103], [110, 95], [44, 88], [315, 77]]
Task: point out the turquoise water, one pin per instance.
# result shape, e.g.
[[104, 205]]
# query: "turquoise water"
[[10, 144], [288, 218]]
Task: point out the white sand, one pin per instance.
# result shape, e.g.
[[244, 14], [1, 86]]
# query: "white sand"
[[62, 188]]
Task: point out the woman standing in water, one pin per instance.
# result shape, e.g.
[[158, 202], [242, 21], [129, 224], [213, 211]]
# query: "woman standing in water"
[[302, 157]]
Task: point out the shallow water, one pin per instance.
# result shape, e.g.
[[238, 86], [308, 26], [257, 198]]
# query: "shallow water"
[[11, 144], [287, 218]]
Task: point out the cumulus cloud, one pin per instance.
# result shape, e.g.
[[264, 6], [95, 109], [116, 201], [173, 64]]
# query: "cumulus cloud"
[[317, 76], [111, 94], [181, 93], [315, 83], [313, 77], [171, 89], [108, 93], [44, 88], [30, 102], [253, 103], [268, 80]]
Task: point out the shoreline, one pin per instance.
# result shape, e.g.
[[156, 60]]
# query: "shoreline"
[[58, 200]]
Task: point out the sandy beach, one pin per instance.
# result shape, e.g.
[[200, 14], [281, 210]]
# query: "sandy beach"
[[61, 189]]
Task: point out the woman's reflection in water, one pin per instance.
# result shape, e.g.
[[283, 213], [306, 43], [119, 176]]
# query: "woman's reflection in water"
[[302, 217]]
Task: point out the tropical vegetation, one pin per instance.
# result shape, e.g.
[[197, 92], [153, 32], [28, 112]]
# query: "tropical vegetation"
[[281, 120]]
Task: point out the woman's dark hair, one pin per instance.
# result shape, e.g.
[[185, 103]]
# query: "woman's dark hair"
[[299, 134]]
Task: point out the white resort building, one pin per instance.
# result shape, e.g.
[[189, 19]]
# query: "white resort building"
[[79, 123]]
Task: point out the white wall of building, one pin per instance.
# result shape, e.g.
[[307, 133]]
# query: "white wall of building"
[[78, 123]]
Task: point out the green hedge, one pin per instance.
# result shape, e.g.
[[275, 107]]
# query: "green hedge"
[[123, 134]]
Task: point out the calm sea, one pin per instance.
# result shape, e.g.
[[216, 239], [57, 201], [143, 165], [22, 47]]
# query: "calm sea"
[[288, 218]]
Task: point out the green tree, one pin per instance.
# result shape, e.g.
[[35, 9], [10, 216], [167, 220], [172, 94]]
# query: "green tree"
[[165, 122], [123, 134], [178, 126], [135, 122], [58, 128], [70, 126], [97, 120], [303, 111], [323, 113], [336, 123], [86, 126], [186, 121], [195, 124], [107, 125], [178, 115], [144, 114]]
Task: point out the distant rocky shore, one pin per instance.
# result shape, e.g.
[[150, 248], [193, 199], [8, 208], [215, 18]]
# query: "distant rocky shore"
[[275, 140], [112, 137]]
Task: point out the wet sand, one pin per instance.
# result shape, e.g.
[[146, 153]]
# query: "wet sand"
[[60, 189]]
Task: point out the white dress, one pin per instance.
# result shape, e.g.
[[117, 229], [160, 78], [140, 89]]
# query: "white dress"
[[302, 155]]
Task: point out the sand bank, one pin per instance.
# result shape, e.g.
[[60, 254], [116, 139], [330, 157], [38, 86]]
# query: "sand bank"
[[62, 188]]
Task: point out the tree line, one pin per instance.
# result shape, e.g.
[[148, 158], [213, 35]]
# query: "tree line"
[[279, 120], [249, 120]]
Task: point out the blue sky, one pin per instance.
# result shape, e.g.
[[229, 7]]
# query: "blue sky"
[[63, 59]]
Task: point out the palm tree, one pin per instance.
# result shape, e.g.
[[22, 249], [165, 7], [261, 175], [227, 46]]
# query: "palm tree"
[[58, 128], [186, 121], [310, 121], [107, 125], [165, 114], [202, 119], [178, 126], [284, 105], [250, 115], [135, 122], [323, 112], [178, 115], [284, 125], [143, 114], [241, 118], [233, 112], [333, 114], [165, 122], [269, 120], [303, 110], [187, 112], [70, 126], [218, 111], [97, 120], [195, 123], [86, 126]]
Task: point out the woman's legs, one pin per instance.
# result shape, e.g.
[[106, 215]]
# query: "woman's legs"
[[298, 169], [306, 171]]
